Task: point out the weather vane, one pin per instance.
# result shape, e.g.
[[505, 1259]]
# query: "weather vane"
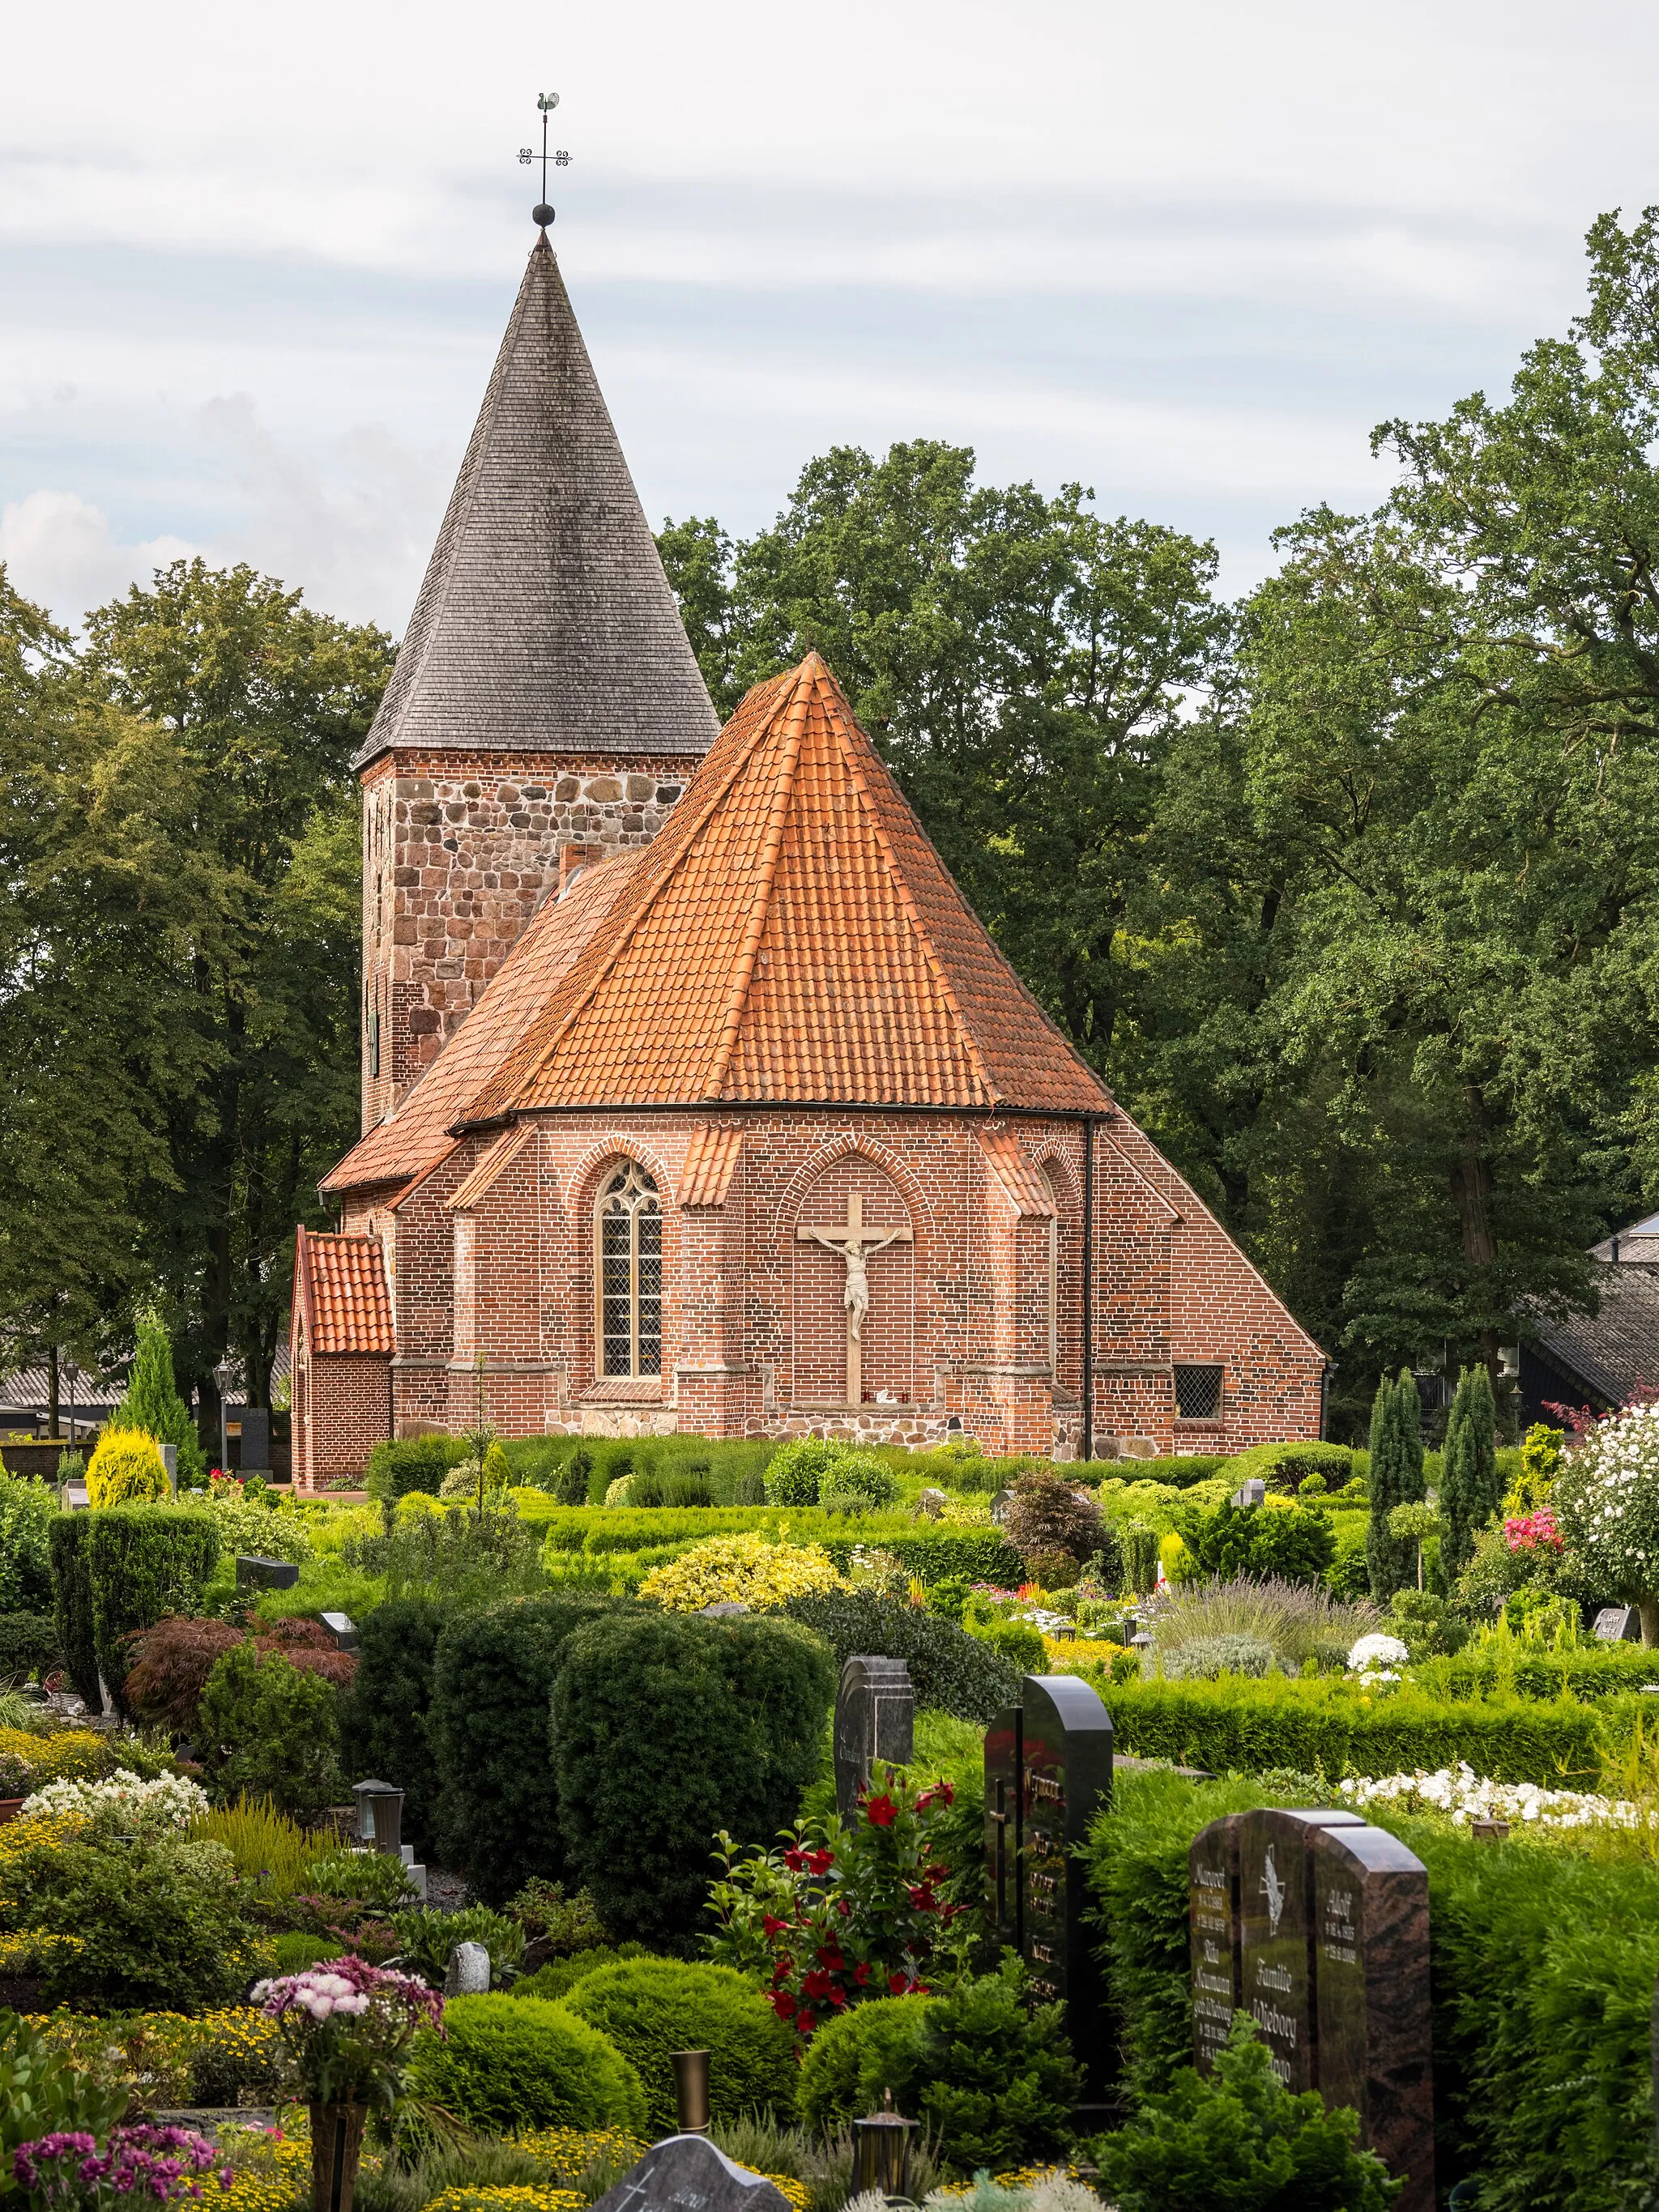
[[542, 212]]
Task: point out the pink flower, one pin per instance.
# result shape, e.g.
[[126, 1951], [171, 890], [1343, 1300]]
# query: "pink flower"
[[1534, 1532]]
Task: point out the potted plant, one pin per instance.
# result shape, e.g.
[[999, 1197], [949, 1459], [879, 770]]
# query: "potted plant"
[[16, 1780], [346, 2028]]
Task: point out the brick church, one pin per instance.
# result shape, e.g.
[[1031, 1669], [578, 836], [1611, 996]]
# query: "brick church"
[[694, 1096]]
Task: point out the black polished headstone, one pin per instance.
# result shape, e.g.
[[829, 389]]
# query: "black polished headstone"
[[1004, 1829], [1371, 1995], [255, 1573], [253, 1450], [875, 1718], [1275, 1899], [1066, 1758], [1213, 1935], [687, 2174]]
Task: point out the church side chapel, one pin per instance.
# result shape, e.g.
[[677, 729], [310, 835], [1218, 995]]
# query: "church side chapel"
[[694, 1095]]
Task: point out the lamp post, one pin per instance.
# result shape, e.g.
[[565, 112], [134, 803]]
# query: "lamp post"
[[222, 1377], [884, 2152]]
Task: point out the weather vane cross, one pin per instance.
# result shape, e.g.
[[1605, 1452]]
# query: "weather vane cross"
[[542, 212]]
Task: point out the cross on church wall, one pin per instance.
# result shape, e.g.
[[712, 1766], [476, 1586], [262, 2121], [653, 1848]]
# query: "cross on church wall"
[[856, 1245]]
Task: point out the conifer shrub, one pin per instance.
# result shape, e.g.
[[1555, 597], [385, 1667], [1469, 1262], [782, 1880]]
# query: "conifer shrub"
[[136, 1564], [30, 1644], [1296, 1543], [269, 1730], [152, 1403], [71, 1578], [507, 2065], [1470, 1489], [794, 1474], [649, 2008], [126, 1469], [1395, 1478], [384, 1718], [857, 1482], [667, 1727], [570, 1484], [559, 1976], [492, 1677], [853, 2059], [949, 1670], [405, 1464], [26, 1509]]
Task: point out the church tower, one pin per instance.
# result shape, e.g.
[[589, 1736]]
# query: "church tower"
[[545, 711]]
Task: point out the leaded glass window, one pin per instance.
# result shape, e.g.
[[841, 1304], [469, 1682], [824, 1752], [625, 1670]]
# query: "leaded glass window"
[[629, 1261]]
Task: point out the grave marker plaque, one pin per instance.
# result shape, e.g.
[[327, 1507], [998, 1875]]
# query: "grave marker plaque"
[[1276, 1934], [1371, 1993], [1616, 1624], [688, 2173], [1066, 1760], [1004, 1828], [1214, 1934], [875, 1718]]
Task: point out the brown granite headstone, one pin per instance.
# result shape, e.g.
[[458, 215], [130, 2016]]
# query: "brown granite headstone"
[[1213, 1929], [1276, 1934], [1371, 1982]]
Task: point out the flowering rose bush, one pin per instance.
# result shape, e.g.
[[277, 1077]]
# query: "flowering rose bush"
[[347, 2027], [1465, 1795], [1606, 1503], [1534, 1532], [122, 1801], [841, 1913], [136, 2166], [1377, 1658], [746, 1570]]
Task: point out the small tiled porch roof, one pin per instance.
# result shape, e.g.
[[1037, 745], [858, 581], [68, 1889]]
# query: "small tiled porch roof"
[[340, 1290]]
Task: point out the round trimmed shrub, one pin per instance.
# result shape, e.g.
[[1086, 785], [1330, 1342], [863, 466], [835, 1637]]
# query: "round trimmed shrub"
[[650, 2006], [857, 1482], [794, 1473], [559, 1976], [851, 2060], [126, 1469], [507, 2063]]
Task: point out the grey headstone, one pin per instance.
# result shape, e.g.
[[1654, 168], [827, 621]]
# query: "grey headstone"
[[341, 1627], [687, 2174], [1000, 1505], [1066, 1777], [1619, 1624], [468, 1975], [726, 1609], [254, 1456], [875, 1718], [170, 1461], [255, 1573], [1276, 1933], [1249, 1494]]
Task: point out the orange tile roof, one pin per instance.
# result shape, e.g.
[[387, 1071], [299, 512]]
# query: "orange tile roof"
[[1017, 1174], [341, 1284], [412, 1139], [494, 1159], [710, 1158], [791, 935]]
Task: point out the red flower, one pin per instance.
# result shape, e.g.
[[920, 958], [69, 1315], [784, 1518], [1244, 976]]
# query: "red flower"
[[795, 1859], [773, 1926], [817, 1986], [831, 1957], [843, 1907], [898, 1984], [838, 1998], [782, 2004], [922, 1897], [805, 2023], [820, 1862], [881, 1811], [780, 1972], [861, 1972]]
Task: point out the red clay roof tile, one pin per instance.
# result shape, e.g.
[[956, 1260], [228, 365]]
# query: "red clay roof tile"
[[343, 1289]]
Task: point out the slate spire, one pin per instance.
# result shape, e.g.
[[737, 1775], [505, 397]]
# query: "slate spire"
[[546, 621]]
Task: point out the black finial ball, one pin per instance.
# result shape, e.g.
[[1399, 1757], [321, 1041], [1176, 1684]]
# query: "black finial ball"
[[541, 213]]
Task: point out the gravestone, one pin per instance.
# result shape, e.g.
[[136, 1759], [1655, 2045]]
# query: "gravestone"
[[255, 1573], [687, 2174], [468, 1973], [1004, 1829], [1065, 1762], [1276, 1934], [1371, 1997], [253, 1453], [170, 1461], [1000, 1505], [1619, 1624], [875, 1718], [1213, 1937], [341, 1627], [1249, 1494]]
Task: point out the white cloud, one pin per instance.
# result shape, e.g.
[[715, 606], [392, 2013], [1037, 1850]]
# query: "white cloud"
[[60, 551]]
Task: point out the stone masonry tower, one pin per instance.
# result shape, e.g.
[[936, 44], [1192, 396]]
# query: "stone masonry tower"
[[545, 709]]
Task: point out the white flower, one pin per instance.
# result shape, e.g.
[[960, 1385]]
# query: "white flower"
[[168, 1801], [1375, 1657]]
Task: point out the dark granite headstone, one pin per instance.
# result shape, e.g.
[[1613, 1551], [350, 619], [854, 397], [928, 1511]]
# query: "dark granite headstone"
[[1276, 1934], [1004, 1828], [253, 1453], [341, 1627], [255, 1573], [1619, 1624], [875, 1718], [687, 2174], [1065, 1756], [1371, 1997], [1212, 1932]]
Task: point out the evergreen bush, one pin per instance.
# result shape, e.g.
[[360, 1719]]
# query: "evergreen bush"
[[126, 1469], [397, 1466], [1395, 1478], [855, 2058], [153, 1404], [560, 1975], [1295, 1542], [795, 1474], [569, 1485], [507, 2065], [27, 1509], [30, 1644], [498, 1803], [949, 1670], [1204, 1658], [383, 1719], [270, 1730], [667, 1727], [143, 1562], [1470, 1489], [71, 1578], [857, 1482], [167, 1666], [649, 2008]]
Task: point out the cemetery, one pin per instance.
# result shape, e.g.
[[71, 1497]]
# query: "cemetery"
[[836, 1820]]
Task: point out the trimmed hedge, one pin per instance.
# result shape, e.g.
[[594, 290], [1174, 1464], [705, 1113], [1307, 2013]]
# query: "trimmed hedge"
[[854, 2057], [412, 1463], [71, 1578], [29, 1644], [493, 1672], [932, 1554], [949, 1670], [1543, 1957], [667, 1727], [1605, 1670], [383, 1717], [508, 2063], [650, 2008], [1333, 1726], [120, 1568]]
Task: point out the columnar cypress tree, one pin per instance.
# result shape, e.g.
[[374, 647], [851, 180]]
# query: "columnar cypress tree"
[[1488, 1489], [152, 1400], [1395, 1478], [1458, 1480]]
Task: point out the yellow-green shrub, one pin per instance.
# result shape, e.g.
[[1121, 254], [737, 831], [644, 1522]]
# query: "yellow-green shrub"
[[743, 1569], [126, 1469]]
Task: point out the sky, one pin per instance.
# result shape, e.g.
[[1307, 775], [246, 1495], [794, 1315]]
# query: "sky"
[[254, 264]]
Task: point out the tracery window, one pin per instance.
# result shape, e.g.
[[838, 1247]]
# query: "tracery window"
[[628, 1266]]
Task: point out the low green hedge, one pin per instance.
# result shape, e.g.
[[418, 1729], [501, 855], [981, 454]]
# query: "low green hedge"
[[1333, 1726], [931, 1554], [1543, 1956], [1596, 1671]]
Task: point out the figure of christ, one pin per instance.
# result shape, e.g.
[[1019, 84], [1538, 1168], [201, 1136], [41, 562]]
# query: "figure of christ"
[[854, 1244]]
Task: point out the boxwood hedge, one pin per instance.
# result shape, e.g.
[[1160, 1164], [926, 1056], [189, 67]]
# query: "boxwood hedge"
[[651, 2007], [949, 1670]]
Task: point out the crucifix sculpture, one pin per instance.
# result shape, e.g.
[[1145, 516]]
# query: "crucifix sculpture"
[[854, 1244]]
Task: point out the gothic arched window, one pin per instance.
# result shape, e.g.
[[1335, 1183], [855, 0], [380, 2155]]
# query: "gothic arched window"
[[1052, 1285], [628, 1266]]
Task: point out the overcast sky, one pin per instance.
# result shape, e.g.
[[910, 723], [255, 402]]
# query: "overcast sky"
[[254, 264]]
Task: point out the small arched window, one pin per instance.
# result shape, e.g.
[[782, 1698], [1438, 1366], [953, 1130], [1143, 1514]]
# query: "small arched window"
[[628, 1267]]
